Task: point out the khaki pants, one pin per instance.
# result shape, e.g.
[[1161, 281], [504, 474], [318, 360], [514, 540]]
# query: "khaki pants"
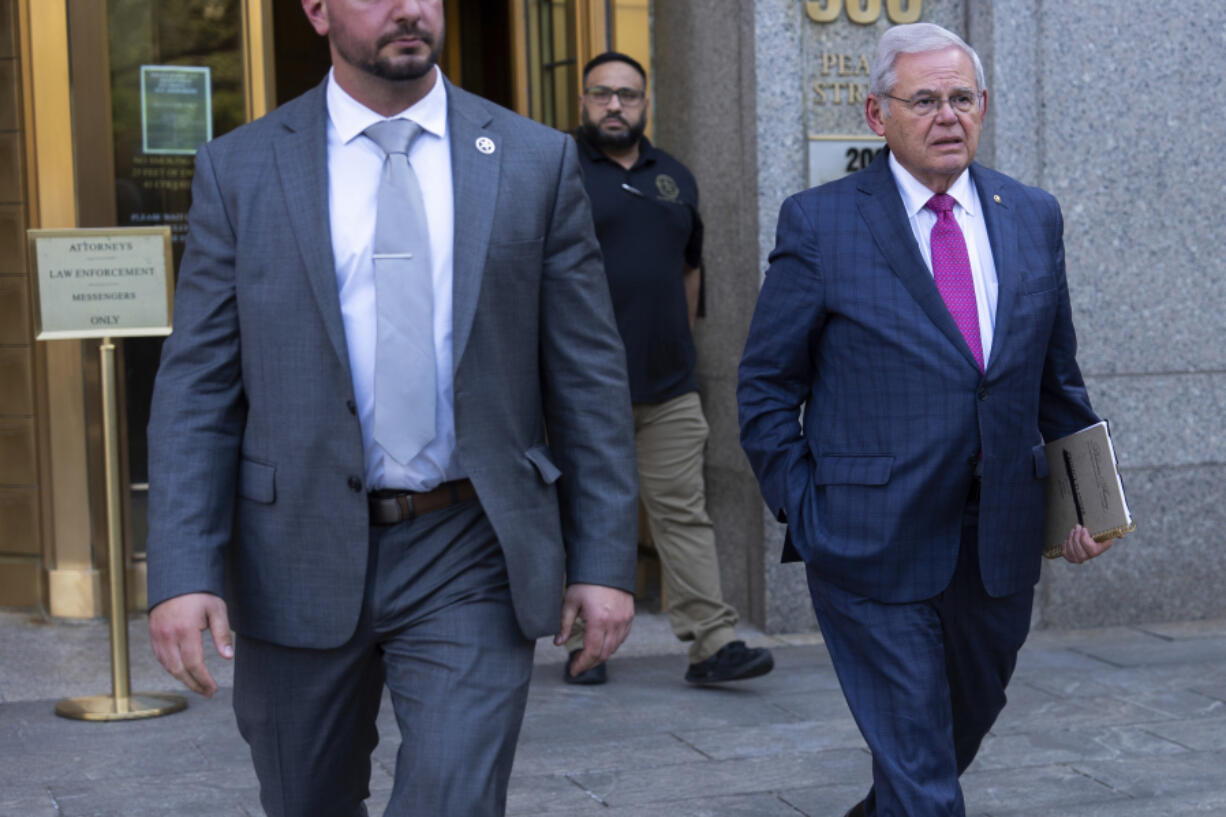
[[669, 441]]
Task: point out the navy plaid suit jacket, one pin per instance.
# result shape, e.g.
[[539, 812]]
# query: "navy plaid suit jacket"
[[850, 334]]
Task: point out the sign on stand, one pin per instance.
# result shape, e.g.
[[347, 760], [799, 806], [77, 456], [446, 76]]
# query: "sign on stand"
[[104, 283], [98, 283]]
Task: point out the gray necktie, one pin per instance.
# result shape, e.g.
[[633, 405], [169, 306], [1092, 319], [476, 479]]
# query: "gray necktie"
[[404, 298]]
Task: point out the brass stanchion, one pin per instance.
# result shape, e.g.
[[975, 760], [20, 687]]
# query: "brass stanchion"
[[121, 704]]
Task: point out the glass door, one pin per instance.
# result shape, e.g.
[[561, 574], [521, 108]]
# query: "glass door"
[[553, 64], [177, 79]]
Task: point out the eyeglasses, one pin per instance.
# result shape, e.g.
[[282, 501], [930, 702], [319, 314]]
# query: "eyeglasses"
[[959, 101], [630, 97]]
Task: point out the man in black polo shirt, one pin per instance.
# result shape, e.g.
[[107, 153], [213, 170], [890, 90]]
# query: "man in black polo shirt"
[[645, 206]]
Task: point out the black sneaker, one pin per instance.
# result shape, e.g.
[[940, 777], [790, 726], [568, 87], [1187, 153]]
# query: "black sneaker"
[[589, 677], [733, 662]]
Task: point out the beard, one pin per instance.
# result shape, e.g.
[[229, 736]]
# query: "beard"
[[618, 141], [372, 62]]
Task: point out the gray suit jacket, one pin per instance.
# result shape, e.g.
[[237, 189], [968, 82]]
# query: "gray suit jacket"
[[256, 462]]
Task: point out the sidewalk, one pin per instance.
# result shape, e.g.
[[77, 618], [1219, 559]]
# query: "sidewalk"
[[1118, 722]]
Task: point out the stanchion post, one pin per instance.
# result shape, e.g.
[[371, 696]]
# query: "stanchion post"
[[121, 688], [121, 704]]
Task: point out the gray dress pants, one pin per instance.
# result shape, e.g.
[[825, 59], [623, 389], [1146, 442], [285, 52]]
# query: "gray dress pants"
[[437, 628]]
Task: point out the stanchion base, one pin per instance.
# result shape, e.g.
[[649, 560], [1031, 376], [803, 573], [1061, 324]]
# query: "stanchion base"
[[107, 708]]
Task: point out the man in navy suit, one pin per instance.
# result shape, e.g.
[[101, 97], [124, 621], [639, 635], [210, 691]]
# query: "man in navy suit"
[[918, 314]]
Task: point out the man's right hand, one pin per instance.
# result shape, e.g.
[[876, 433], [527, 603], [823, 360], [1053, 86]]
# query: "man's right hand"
[[175, 627], [607, 613]]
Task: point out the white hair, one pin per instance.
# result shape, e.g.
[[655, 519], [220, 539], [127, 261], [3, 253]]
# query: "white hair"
[[913, 38]]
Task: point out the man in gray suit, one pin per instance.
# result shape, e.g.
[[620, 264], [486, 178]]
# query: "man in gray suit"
[[368, 503]]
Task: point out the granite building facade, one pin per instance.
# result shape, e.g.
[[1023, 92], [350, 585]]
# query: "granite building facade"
[[1114, 108]]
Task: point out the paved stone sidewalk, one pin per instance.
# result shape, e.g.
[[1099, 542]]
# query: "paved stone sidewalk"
[[1120, 722]]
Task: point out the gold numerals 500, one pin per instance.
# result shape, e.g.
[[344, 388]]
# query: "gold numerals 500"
[[864, 12]]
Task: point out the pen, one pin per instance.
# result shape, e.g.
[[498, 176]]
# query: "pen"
[[1072, 481]]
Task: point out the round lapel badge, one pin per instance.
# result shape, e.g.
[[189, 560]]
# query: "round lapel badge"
[[485, 145]]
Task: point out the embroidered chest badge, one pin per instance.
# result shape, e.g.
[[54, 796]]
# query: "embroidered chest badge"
[[667, 187]]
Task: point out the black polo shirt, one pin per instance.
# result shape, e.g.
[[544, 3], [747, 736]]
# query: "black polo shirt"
[[649, 230]]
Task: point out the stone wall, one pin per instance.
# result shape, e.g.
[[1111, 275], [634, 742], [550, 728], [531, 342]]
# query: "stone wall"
[[703, 98], [1116, 110]]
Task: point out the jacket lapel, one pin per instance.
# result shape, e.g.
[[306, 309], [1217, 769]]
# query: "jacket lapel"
[[995, 200], [474, 171], [882, 209], [302, 165]]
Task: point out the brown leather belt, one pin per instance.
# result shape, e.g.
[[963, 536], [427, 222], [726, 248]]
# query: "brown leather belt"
[[393, 507]]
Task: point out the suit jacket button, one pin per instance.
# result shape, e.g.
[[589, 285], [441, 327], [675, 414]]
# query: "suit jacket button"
[[983, 394], [352, 406], [355, 485]]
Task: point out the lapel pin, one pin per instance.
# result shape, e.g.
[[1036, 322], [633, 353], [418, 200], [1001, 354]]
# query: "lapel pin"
[[485, 145], [996, 199]]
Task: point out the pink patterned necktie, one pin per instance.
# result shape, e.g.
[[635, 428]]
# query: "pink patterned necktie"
[[951, 267]]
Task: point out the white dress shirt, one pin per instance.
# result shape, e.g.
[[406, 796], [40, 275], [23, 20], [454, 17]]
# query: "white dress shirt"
[[355, 164], [968, 214]]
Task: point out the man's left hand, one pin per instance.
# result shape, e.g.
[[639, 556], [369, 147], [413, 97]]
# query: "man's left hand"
[[607, 614], [1080, 545]]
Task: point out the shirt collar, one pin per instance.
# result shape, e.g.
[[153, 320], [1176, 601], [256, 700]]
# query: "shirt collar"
[[915, 194], [647, 152], [351, 118]]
